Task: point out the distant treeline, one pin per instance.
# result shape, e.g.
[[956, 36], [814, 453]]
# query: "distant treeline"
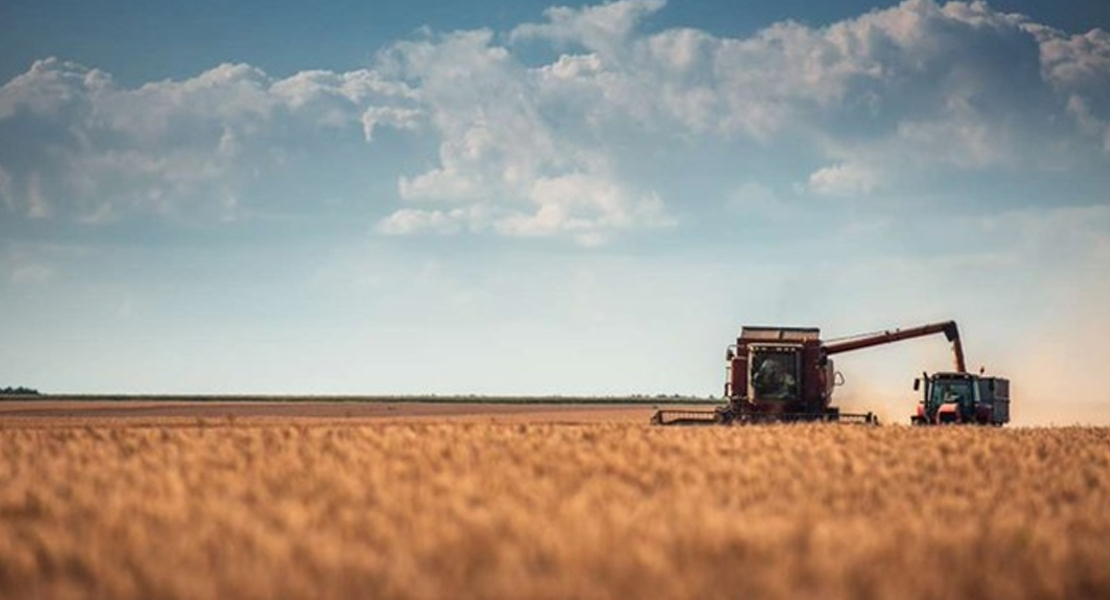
[[18, 391]]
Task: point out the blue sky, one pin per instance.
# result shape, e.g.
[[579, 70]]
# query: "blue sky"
[[516, 198]]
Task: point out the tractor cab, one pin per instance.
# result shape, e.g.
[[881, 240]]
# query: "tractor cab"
[[962, 398]]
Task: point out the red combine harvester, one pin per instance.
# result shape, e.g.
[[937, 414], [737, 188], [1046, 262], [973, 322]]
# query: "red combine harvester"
[[786, 374]]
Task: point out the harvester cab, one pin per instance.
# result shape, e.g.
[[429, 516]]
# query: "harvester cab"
[[779, 374], [949, 398]]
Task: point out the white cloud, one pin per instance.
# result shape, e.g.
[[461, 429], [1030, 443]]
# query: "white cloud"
[[842, 180], [502, 150], [604, 26], [554, 149], [354, 87], [173, 148], [587, 207], [908, 90], [408, 221], [391, 116], [1079, 61], [51, 87]]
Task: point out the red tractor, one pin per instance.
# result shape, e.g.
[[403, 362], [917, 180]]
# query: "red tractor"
[[784, 374], [962, 398]]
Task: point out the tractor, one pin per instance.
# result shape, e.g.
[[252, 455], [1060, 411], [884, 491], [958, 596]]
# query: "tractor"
[[950, 398]]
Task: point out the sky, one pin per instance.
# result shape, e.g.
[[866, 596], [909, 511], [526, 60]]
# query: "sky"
[[528, 198]]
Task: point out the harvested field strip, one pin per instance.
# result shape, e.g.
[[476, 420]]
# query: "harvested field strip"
[[51, 414], [468, 510], [353, 399]]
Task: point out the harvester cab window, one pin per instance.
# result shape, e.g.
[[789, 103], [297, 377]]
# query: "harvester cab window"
[[774, 374]]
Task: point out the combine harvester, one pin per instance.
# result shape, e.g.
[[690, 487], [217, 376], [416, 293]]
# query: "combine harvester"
[[786, 374]]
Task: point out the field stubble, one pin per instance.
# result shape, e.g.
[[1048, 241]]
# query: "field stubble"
[[479, 510]]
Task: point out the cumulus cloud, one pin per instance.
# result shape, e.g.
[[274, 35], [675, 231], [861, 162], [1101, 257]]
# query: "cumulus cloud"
[[527, 150], [78, 146], [1079, 67], [917, 88], [1076, 62], [584, 205], [503, 153], [584, 208]]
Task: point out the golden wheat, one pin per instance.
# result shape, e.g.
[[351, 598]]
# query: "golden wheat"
[[540, 511]]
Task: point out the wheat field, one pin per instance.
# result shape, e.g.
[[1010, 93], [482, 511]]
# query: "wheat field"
[[604, 510]]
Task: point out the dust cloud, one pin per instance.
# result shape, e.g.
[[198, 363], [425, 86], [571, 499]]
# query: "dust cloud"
[[1057, 369], [886, 403], [1064, 387], [1050, 387]]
